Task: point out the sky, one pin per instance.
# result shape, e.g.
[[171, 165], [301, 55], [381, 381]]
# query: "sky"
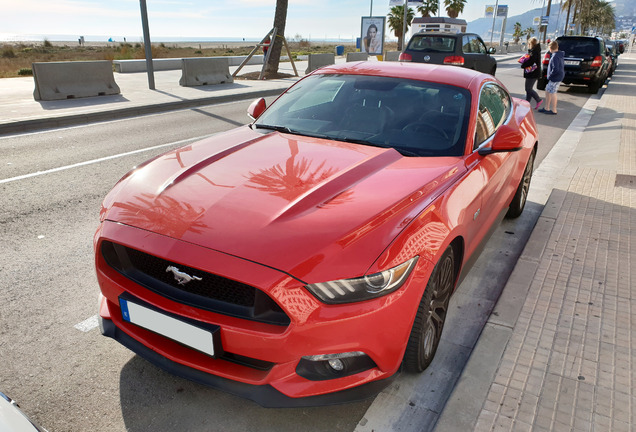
[[195, 19]]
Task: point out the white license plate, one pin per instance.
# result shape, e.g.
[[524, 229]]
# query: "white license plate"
[[176, 329], [572, 62]]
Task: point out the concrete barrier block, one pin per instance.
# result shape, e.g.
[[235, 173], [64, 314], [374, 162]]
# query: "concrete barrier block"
[[319, 60], [69, 80], [205, 71], [357, 56], [392, 56]]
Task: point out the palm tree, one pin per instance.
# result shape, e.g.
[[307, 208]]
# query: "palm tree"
[[517, 32], [598, 16], [529, 32], [454, 7], [396, 22], [428, 7], [280, 19]]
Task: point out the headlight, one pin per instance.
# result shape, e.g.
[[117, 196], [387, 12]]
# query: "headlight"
[[363, 288]]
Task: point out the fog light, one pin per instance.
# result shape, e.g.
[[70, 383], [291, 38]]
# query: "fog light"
[[330, 366], [336, 364]]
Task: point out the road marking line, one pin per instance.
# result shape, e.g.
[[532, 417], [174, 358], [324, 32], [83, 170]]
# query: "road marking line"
[[88, 324], [94, 161]]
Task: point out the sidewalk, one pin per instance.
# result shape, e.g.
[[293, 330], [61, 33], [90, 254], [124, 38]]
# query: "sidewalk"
[[559, 351], [21, 113]]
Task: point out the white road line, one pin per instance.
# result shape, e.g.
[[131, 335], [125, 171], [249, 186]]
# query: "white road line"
[[88, 324], [94, 161]]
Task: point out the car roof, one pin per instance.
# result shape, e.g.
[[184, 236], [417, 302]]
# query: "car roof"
[[441, 33], [442, 74]]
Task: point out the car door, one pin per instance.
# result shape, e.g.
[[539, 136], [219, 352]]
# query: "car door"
[[475, 54], [495, 109]]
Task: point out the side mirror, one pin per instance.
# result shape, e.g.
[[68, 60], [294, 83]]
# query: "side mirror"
[[506, 139], [256, 108], [491, 50]]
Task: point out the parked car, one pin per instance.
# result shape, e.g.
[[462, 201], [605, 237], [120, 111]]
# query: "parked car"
[[458, 49], [586, 62], [12, 419], [307, 257], [612, 48]]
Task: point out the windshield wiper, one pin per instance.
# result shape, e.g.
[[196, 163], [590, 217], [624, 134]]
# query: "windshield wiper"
[[274, 127]]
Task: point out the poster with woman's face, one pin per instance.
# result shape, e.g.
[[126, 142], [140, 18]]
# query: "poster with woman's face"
[[372, 36]]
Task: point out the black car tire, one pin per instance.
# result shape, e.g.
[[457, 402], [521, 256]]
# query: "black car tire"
[[519, 200], [542, 83], [594, 86], [431, 314]]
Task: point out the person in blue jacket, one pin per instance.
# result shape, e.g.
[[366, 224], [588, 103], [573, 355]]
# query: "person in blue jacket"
[[555, 74]]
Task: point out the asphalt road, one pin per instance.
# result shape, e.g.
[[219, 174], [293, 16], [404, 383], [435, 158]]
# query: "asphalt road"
[[53, 360]]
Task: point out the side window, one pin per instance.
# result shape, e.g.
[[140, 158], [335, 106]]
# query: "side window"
[[466, 44], [494, 109]]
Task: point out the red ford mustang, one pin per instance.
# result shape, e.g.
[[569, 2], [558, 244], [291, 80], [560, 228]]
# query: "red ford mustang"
[[307, 257]]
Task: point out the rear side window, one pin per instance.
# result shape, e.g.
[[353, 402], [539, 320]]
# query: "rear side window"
[[429, 43], [579, 47], [472, 44]]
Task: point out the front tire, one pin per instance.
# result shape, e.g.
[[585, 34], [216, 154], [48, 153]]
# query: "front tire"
[[431, 314], [521, 196]]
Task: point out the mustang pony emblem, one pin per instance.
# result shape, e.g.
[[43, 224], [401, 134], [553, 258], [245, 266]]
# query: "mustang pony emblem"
[[181, 277]]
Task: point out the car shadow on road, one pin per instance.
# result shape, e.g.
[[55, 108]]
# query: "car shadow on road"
[[152, 399]]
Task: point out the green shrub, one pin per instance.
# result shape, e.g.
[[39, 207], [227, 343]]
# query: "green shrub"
[[198, 52], [25, 72], [47, 43]]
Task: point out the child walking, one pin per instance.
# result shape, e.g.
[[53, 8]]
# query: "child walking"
[[556, 72]]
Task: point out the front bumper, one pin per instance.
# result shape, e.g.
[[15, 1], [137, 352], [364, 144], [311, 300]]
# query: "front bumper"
[[264, 395], [380, 328]]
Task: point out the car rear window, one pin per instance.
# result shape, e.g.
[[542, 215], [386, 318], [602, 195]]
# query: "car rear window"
[[579, 47], [428, 43]]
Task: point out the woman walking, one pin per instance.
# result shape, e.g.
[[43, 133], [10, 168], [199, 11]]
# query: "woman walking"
[[532, 70]]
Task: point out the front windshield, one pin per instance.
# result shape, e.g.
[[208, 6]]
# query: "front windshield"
[[417, 118]]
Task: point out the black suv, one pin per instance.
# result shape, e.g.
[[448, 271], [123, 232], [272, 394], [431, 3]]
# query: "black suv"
[[458, 49], [586, 61]]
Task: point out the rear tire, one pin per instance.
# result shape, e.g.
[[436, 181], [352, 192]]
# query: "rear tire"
[[431, 314], [541, 83], [519, 201], [594, 87]]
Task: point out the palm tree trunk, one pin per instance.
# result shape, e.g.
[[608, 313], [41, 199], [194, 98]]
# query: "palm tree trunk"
[[545, 32], [276, 46]]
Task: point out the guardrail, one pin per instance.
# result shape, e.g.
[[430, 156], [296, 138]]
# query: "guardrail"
[[70, 80], [131, 66]]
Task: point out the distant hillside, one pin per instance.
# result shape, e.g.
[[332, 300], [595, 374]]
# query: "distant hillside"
[[483, 26]]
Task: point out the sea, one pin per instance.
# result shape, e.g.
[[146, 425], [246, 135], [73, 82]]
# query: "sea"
[[9, 37]]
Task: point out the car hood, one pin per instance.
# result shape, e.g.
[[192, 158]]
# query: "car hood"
[[290, 202]]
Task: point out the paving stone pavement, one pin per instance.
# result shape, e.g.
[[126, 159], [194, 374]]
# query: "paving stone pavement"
[[570, 362]]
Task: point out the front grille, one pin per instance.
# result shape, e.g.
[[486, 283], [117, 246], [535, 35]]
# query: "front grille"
[[211, 292]]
